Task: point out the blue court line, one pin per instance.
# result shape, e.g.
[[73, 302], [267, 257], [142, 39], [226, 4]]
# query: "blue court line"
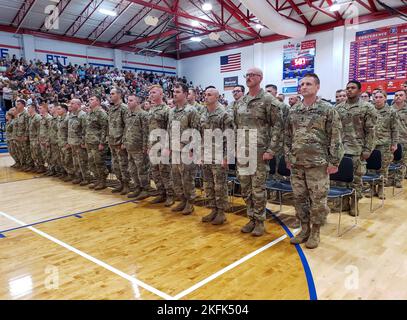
[[76, 214], [310, 280]]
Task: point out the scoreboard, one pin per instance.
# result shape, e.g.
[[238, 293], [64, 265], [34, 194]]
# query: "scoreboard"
[[378, 58]]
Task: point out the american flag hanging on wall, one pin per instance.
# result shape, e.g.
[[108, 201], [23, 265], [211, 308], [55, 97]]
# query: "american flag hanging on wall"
[[231, 62]]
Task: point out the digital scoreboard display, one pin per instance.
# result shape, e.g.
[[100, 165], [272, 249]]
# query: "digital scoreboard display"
[[298, 59], [378, 58]]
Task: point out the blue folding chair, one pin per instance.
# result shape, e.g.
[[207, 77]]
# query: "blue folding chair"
[[283, 186], [374, 162], [344, 174], [395, 166]]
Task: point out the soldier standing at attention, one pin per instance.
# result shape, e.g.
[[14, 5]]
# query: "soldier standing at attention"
[[192, 101], [258, 111], [215, 173], [44, 132], [95, 140], [21, 129], [116, 120], [54, 167], [34, 129], [313, 149], [65, 152], [400, 105], [238, 93], [76, 140], [183, 174], [135, 141], [161, 172], [358, 119], [10, 139], [387, 134]]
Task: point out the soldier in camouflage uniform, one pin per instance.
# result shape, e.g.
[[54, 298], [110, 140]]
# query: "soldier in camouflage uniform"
[[238, 93], [95, 139], [160, 172], [257, 112], [191, 98], [65, 152], [387, 134], [400, 105], [116, 119], [44, 132], [358, 119], [54, 168], [21, 128], [76, 141], [313, 149], [215, 173], [183, 174], [35, 148], [9, 134], [135, 141]]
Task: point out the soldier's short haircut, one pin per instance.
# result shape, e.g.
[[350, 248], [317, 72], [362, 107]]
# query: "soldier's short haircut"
[[183, 86], [313, 75], [118, 91], [382, 92], [359, 85], [368, 93], [64, 106], [155, 86], [271, 86], [98, 97], [22, 101], [210, 87], [192, 90], [376, 89], [339, 90], [400, 90]]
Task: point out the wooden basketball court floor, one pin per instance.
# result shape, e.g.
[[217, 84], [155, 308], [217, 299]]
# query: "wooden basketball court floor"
[[62, 241]]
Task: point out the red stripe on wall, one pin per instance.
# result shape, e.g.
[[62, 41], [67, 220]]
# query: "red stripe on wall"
[[150, 65], [73, 55], [8, 46]]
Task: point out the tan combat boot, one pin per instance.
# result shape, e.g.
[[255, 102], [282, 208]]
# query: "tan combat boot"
[[118, 189], [126, 189], [181, 206], [84, 183], [188, 209], [249, 226], [313, 240], [303, 235], [135, 193], [210, 216], [158, 199], [101, 185], [169, 201], [219, 219], [258, 229], [76, 181]]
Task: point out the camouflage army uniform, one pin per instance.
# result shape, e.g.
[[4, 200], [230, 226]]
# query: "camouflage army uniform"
[[161, 173], [135, 139], [116, 120], [44, 137], [387, 134], [10, 141], [284, 113], [358, 136], [65, 151], [96, 131], [260, 113], [55, 166], [312, 143], [214, 174], [183, 175], [402, 115], [76, 138], [198, 107], [35, 148], [21, 129]]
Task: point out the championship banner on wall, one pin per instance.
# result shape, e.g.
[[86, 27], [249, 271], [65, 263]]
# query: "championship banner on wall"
[[230, 82], [378, 58]]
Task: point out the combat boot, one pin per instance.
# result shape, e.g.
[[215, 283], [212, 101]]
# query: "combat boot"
[[399, 184], [101, 185], [181, 206], [76, 181], [249, 227], [169, 201], [303, 235], [258, 229], [158, 199], [353, 206], [381, 193], [210, 216], [67, 178], [84, 183], [126, 189], [93, 185], [118, 189], [313, 239], [374, 189], [220, 218], [134, 194], [188, 209], [41, 169]]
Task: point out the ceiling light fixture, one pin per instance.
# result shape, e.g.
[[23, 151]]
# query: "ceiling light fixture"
[[207, 6], [108, 12], [259, 26], [335, 7], [151, 21], [196, 39]]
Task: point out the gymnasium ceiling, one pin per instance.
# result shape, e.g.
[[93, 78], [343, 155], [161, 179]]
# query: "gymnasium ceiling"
[[82, 22]]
